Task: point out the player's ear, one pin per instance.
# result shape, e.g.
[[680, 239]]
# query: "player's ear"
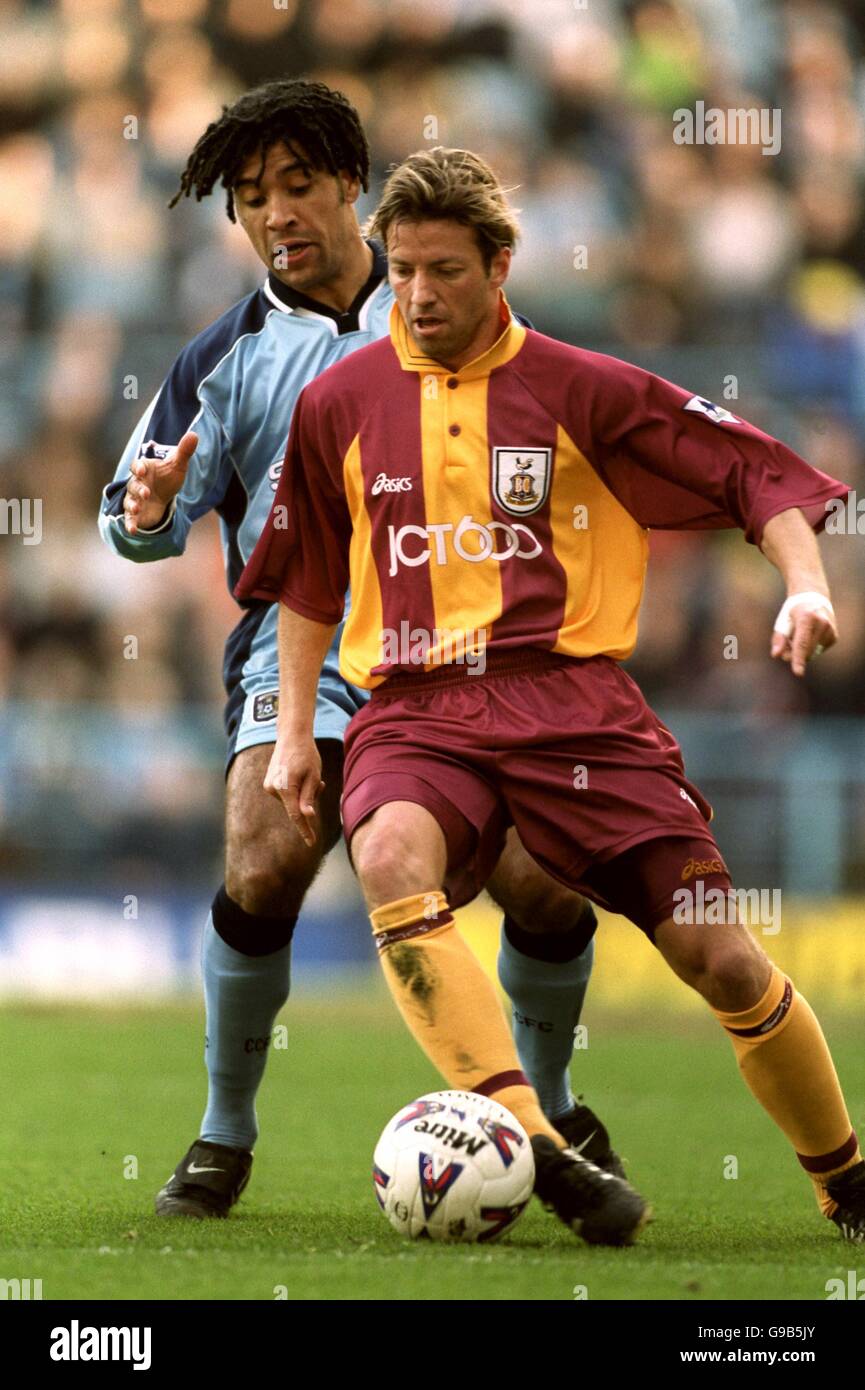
[[500, 266], [350, 187]]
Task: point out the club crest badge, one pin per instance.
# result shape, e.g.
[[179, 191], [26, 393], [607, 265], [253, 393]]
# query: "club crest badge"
[[265, 707], [521, 479]]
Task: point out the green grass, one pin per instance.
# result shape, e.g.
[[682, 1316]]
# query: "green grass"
[[86, 1089]]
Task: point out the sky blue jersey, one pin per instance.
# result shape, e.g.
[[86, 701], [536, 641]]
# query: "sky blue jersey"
[[236, 384]]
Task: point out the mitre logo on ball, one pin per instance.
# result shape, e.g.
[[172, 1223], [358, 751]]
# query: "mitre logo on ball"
[[521, 479]]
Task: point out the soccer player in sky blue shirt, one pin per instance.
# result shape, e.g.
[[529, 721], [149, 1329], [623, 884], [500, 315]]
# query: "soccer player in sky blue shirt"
[[293, 159]]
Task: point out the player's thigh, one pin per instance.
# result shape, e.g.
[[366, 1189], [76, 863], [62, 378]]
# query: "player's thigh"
[[400, 849], [268, 868], [678, 891], [530, 896], [401, 751]]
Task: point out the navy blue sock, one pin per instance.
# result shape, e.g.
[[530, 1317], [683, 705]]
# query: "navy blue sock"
[[546, 978], [246, 963]]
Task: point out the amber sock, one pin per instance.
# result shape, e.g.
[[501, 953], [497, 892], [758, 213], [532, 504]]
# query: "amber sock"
[[451, 1007], [786, 1064]]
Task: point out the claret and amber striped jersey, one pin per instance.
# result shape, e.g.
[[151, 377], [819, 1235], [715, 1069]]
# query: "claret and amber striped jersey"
[[508, 501]]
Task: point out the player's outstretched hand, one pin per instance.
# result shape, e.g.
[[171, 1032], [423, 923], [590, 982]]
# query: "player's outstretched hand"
[[804, 628], [294, 777], [153, 483]]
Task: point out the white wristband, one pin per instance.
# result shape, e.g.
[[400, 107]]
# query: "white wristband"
[[811, 599]]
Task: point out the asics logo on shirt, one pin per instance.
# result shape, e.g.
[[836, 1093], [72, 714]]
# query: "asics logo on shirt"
[[385, 484], [470, 540]]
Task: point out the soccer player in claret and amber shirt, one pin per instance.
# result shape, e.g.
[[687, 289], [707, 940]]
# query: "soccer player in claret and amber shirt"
[[487, 491]]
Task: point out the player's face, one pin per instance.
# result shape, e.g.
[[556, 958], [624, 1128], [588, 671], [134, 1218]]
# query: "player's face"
[[446, 294], [300, 220]]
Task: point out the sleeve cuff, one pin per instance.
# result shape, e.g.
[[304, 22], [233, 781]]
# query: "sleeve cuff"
[[113, 498], [307, 610], [815, 509]]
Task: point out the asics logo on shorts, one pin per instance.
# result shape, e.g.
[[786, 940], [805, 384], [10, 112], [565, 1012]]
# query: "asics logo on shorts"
[[469, 540], [701, 866]]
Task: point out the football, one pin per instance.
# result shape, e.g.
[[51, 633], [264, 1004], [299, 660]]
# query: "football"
[[453, 1166]]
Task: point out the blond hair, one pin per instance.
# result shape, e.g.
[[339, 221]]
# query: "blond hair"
[[454, 184]]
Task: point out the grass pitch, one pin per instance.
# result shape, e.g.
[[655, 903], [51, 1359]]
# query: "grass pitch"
[[100, 1104]]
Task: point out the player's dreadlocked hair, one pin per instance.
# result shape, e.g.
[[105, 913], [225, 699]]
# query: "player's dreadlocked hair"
[[321, 120]]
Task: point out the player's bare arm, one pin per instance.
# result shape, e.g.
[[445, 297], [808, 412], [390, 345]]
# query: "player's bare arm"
[[154, 484], [808, 626], [294, 774]]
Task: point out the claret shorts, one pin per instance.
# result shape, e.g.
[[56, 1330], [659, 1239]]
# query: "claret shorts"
[[566, 750]]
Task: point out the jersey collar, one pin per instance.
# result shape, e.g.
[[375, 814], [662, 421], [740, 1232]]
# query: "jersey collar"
[[506, 346], [289, 300]]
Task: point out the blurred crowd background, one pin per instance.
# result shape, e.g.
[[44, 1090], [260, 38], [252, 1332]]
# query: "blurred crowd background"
[[737, 274]]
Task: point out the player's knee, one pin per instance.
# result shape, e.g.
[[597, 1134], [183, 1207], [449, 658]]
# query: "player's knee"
[[388, 864], [740, 973], [548, 908], [727, 967], [268, 885], [533, 900]]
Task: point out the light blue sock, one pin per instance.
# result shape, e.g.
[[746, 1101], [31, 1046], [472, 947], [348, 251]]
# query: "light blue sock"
[[547, 998], [243, 994]]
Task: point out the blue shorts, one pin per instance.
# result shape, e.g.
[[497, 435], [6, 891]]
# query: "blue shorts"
[[251, 675]]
